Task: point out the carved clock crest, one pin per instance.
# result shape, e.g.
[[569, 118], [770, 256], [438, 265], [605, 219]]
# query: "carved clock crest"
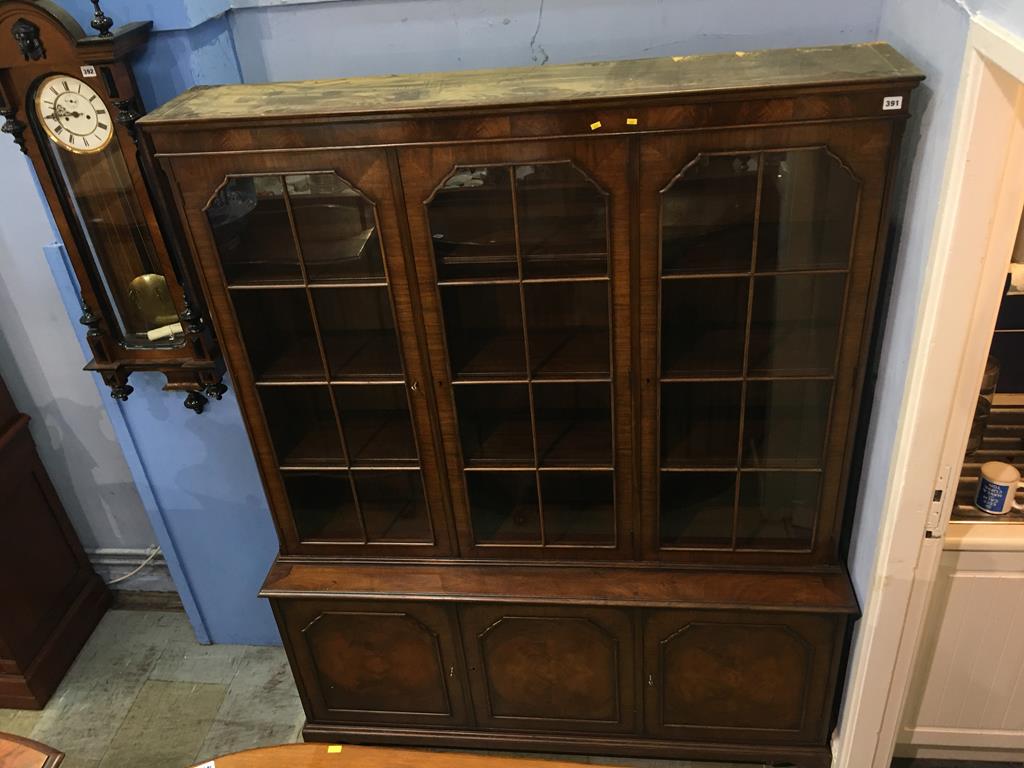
[[26, 35]]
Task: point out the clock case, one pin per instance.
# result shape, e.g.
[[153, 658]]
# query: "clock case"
[[37, 38]]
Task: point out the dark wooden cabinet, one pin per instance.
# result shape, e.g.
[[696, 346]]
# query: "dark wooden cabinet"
[[377, 663], [740, 676], [553, 376], [551, 667], [51, 599]]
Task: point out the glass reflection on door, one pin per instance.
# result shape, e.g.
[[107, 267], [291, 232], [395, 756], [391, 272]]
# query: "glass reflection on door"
[[521, 254], [755, 253], [306, 276]]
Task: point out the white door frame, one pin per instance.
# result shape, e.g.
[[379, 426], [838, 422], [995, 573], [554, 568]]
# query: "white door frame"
[[975, 227]]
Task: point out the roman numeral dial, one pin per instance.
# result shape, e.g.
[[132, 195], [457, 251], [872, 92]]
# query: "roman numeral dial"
[[73, 114]]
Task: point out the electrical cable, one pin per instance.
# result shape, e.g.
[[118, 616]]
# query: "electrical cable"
[[143, 564]]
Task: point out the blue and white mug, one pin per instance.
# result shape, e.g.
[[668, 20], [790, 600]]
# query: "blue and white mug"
[[997, 488]]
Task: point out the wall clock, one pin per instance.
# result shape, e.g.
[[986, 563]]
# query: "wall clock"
[[69, 101]]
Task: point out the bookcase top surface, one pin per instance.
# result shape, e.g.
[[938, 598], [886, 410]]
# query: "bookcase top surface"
[[861, 63]]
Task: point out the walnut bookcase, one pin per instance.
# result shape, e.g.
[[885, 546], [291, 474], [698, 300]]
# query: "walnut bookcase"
[[552, 376]]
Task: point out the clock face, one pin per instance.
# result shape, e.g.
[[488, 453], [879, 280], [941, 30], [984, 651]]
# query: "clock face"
[[73, 114]]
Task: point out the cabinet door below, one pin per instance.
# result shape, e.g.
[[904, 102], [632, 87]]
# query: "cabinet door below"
[[740, 676], [550, 668], [375, 662]]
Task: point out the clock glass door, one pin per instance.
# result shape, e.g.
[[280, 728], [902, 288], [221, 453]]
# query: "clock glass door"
[[76, 130]]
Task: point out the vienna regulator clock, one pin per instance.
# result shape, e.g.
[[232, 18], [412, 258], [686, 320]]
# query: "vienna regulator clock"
[[70, 102]]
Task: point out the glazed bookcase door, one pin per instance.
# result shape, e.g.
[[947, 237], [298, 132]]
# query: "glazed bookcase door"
[[523, 267], [305, 269], [758, 267]]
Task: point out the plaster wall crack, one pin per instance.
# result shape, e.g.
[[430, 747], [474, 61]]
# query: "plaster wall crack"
[[539, 54]]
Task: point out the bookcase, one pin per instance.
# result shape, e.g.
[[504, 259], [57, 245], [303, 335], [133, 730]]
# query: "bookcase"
[[553, 377]]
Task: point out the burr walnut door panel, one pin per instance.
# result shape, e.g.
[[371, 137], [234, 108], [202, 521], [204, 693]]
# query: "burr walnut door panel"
[[375, 662], [551, 668], [740, 676], [523, 267], [759, 260], [305, 271]]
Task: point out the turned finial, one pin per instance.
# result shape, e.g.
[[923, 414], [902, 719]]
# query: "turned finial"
[[100, 21]]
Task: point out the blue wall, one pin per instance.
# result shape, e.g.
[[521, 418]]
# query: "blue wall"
[[196, 473], [937, 48], [367, 37]]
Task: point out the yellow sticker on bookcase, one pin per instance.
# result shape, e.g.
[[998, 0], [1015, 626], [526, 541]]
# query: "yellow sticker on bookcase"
[[334, 749]]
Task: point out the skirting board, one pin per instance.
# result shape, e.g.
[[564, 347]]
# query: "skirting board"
[[111, 564]]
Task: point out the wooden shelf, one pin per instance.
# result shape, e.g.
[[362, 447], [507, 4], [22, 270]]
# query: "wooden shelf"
[[288, 358], [575, 438], [573, 353], [487, 354], [377, 437], [362, 354], [317, 446], [826, 592]]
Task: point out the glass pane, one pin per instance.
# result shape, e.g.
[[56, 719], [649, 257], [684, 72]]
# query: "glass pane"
[[322, 506], [700, 424], [1007, 349], [472, 225], [1011, 310], [504, 507], [103, 201], [302, 425], [579, 508], [563, 222], [484, 327], [696, 509], [358, 332], [336, 228], [494, 424], [795, 324], [568, 329], [393, 507], [376, 422], [277, 329], [574, 424], [808, 205], [785, 423], [250, 225], [777, 510], [707, 216], [702, 326]]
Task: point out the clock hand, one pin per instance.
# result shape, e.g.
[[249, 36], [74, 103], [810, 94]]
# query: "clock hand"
[[62, 111]]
